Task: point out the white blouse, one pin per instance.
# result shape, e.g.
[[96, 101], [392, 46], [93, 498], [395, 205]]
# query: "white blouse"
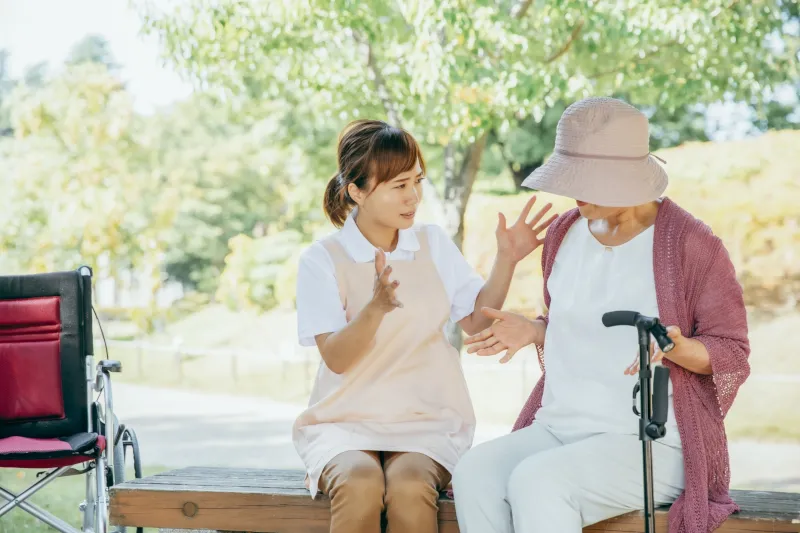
[[319, 306], [586, 390]]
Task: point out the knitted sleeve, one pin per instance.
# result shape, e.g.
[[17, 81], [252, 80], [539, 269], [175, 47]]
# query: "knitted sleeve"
[[720, 323]]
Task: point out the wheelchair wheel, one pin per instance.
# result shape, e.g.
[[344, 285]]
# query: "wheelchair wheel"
[[130, 440], [119, 463]]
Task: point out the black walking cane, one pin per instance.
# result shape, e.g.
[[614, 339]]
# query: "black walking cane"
[[652, 415]]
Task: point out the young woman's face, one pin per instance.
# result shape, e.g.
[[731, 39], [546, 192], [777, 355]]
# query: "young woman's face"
[[393, 203]]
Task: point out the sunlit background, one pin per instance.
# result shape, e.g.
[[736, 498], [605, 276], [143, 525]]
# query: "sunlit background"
[[181, 150]]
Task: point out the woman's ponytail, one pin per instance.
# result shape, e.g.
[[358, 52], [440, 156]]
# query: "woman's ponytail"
[[337, 203]]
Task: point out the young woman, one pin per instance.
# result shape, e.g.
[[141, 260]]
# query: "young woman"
[[390, 413]]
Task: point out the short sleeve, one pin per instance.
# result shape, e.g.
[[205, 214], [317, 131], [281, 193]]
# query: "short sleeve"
[[319, 307], [461, 281]]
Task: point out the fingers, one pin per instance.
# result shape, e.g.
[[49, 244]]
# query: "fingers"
[[544, 225], [479, 337], [493, 350], [538, 216], [523, 216], [656, 355], [383, 272], [507, 357], [484, 345], [384, 276], [380, 261], [494, 314], [501, 222], [673, 332], [390, 288], [655, 349]]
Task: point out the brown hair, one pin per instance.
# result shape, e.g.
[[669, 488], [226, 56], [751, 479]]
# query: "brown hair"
[[368, 149]]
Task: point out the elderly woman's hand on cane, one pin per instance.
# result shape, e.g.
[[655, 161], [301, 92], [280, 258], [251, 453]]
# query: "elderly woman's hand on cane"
[[689, 353]]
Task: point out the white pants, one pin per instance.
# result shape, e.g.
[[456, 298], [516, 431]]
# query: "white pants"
[[533, 481]]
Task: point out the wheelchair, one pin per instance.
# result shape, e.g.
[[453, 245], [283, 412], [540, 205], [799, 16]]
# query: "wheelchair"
[[56, 406]]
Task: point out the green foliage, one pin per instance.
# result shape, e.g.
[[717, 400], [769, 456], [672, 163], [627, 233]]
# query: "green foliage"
[[747, 192], [92, 182], [455, 73], [241, 178], [451, 72], [256, 268], [78, 187], [6, 85], [92, 49]]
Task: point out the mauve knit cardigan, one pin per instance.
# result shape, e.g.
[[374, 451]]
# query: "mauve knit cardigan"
[[697, 290]]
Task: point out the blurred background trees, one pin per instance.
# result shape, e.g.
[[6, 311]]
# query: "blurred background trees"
[[216, 194]]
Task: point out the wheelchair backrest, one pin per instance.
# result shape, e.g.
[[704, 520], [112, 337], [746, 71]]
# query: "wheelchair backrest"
[[45, 336]]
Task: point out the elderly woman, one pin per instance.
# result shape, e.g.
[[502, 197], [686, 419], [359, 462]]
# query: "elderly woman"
[[574, 457]]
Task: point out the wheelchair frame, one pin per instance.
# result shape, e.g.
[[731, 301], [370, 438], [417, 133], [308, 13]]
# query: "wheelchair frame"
[[105, 465]]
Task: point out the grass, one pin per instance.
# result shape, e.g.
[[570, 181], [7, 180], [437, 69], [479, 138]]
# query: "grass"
[[61, 498]]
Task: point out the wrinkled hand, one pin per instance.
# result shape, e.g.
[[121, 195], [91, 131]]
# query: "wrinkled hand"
[[656, 355], [383, 296], [510, 332], [516, 242]]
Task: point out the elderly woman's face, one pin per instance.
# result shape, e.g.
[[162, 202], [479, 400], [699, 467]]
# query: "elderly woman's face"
[[596, 212]]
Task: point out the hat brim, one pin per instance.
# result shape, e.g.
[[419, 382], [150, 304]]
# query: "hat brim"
[[605, 182]]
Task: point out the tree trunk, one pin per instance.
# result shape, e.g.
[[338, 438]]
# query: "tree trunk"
[[448, 209], [457, 188]]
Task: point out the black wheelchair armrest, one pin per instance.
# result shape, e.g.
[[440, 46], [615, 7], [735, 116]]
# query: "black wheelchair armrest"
[[107, 365]]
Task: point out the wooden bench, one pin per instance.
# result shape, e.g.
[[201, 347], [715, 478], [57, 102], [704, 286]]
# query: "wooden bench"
[[276, 501]]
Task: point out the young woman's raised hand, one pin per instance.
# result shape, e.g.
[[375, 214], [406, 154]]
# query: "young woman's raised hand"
[[383, 297]]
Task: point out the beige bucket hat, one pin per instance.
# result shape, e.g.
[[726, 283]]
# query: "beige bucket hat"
[[602, 156]]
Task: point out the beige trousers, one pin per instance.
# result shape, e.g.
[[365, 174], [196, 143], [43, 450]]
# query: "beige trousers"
[[361, 485]]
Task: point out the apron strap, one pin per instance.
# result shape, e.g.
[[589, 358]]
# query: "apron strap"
[[424, 252], [338, 254], [341, 260]]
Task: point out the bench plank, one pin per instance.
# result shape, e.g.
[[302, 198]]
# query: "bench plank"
[[276, 501]]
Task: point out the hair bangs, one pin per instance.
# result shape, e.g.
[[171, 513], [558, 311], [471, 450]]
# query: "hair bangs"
[[394, 151]]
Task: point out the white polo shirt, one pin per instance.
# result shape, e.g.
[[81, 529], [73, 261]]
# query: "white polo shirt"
[[319, 306]]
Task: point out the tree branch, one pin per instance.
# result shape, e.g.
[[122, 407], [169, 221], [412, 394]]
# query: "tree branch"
[[576, 31], [380, 83], [520, 8], [601, 74], [394, 117]]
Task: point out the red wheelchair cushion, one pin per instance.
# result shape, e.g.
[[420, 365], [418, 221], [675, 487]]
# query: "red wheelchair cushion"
[[23, 452], [30, 359]]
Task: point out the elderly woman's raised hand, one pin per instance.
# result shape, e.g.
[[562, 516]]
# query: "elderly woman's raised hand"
[[516, 242]]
